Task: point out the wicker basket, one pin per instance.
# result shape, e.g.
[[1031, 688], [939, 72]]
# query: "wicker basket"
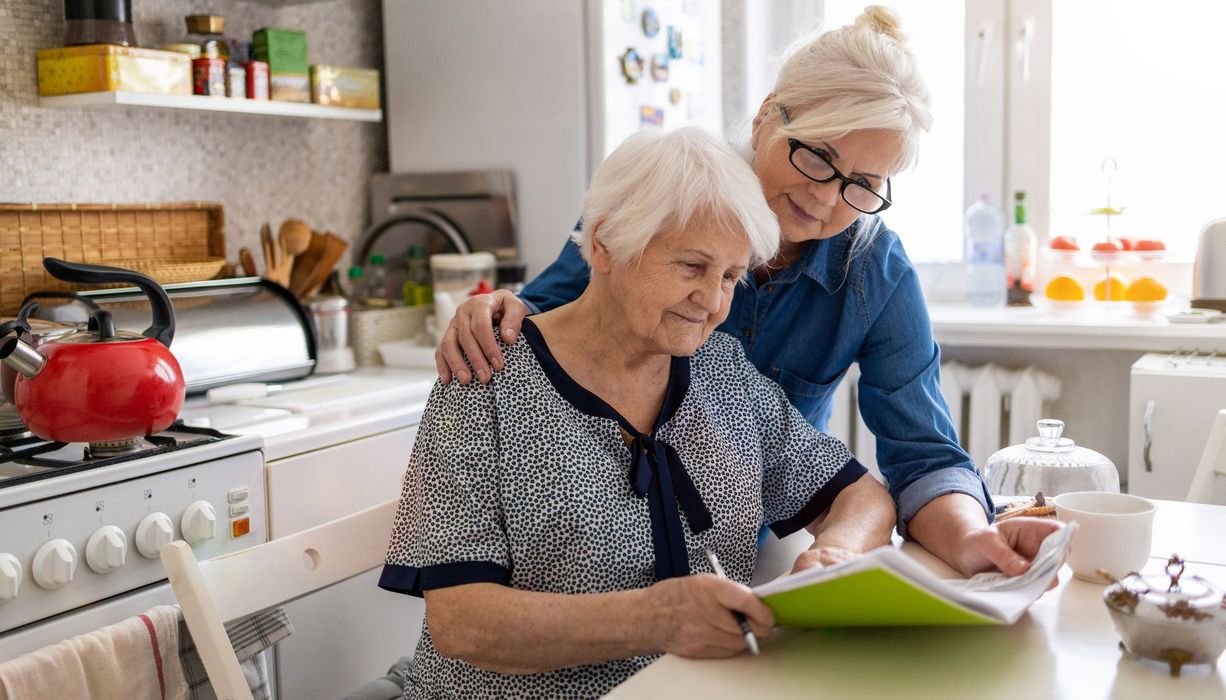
[[106, 234], [369, 327], [174, 270]]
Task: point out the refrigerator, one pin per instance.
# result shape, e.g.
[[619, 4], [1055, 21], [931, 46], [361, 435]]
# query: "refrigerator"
[[545, 89]]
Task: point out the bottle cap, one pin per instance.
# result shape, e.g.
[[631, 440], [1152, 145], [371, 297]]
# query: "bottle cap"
[[355, 271], [417, 250], [376, 259]]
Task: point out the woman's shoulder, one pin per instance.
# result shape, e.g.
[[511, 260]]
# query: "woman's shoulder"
[[883, 268], [720, 354]]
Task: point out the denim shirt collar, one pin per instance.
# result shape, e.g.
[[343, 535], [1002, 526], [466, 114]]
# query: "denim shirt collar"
[[823, 261]]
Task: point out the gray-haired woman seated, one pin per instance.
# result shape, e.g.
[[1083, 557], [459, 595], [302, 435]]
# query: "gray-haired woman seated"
[[556, 519]]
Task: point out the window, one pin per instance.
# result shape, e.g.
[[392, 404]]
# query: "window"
[[928, 198], [1141, 83]]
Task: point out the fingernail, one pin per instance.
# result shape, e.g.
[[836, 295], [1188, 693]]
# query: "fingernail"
[[510, 334]]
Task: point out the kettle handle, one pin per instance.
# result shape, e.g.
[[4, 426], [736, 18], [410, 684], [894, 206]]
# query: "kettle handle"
[[163, 326]]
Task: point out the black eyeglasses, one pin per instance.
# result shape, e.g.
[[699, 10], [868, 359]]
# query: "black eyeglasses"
[[816, 166]]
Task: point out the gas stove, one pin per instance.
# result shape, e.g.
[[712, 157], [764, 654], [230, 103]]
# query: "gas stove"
[[24, 459]]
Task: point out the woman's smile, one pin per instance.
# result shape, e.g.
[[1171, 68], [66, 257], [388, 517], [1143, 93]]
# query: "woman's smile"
[[800, 213]]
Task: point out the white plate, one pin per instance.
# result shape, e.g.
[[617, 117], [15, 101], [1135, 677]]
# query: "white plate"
[[1195, 316]]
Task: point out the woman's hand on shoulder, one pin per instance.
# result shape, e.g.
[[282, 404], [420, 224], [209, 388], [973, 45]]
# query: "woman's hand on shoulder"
[[693, 616], [471, 334]]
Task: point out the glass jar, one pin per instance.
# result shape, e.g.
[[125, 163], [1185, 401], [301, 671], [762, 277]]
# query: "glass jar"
[[1050, 464], [98, 22], [457, 276], [1173, 618]]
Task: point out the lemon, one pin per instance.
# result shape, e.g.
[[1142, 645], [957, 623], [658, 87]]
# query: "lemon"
[[1065, 288], [1146, 289], [1111, 288]]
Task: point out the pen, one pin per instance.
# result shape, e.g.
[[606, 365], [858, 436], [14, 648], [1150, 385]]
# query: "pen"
[[750, 640]]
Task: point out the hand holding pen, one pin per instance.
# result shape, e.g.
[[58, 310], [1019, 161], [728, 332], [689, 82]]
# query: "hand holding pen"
[[751, 641]]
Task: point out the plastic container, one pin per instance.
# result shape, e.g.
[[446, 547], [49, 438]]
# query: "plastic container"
[[418, 284], [984, 235], [456, 277], [373, 290]]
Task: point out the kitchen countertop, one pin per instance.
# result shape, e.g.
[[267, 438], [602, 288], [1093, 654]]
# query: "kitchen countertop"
[[1064, 646], [960, 325]]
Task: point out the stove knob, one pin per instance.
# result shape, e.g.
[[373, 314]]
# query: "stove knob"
[[54, 564], [107, 549], [153, 533], [10, 576], [199, 522]]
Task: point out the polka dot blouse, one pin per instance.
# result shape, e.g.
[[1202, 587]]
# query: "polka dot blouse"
[[527, 482]]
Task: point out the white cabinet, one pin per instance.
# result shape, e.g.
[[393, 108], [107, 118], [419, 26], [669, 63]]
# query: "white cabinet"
[[1172, 403], [350, 633]]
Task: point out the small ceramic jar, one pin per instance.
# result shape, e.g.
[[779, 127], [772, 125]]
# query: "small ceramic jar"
[[1176, 619]]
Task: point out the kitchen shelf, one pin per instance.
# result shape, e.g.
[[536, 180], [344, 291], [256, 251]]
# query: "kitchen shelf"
[[212, 104], [957, 325]]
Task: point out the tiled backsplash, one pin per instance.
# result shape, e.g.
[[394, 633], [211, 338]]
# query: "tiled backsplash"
[[260, 167]]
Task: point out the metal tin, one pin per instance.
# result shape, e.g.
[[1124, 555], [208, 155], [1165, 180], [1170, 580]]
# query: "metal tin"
[[209, 76]]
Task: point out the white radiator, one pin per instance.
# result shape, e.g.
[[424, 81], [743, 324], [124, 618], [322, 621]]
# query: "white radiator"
[[991, 407]]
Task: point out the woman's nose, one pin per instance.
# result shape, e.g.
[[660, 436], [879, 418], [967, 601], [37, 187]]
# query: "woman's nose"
[[826, 193], [709, 296]]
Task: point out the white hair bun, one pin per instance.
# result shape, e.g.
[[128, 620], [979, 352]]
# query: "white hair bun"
[[882, 20]]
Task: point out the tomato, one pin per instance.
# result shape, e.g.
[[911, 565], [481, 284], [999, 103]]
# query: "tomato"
[[1064, 243], [1107, 247], [1128, 242], [1149, 244]]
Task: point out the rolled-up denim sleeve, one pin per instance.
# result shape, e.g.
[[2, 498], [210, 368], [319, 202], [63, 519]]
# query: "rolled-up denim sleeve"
[[561, 283], [901, 403]]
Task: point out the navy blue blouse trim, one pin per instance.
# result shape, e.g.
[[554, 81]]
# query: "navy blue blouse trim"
[[414, 580], [656, 470], [821, 500]]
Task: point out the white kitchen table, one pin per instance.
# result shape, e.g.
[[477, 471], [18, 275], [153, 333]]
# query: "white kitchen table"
[[1064, 647]]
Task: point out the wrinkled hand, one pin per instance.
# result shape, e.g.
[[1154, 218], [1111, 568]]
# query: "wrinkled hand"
[[1009, 546], [825, 555], [693, 616], [471, 333]]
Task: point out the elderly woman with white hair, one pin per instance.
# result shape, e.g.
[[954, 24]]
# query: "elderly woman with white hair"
[[556, 518], [846, 114]]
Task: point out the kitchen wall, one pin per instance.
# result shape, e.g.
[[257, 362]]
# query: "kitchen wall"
[[260, 167]]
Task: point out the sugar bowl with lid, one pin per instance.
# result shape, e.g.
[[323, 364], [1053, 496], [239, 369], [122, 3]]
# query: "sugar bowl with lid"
[[1172, 618]]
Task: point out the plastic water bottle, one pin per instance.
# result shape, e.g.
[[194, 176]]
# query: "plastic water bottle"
[[985, 254]]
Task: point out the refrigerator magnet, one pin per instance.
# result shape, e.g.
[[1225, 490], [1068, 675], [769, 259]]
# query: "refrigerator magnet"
[[676, 46], [629, 10], [632, 65], [651, 116], [651, 22], [674, 96], [659, 67]]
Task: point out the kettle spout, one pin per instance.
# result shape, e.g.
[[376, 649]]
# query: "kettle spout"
[[21, 357]]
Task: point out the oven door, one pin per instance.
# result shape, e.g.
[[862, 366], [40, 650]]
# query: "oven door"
[[37, 635]]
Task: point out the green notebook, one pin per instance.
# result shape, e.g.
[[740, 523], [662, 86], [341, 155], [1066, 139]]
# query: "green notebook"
[[888, 588]]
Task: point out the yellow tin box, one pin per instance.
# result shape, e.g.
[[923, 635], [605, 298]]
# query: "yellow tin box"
[[108, 68], [345, 87]]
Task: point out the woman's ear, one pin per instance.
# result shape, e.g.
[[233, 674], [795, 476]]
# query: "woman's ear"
[[602, 261], [759, 133]]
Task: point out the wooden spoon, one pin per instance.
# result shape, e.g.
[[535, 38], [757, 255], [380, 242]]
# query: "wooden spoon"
[[248, 262], [295, 237]]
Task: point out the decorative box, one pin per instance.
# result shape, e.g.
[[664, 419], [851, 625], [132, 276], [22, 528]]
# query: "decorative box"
[[108, 68]]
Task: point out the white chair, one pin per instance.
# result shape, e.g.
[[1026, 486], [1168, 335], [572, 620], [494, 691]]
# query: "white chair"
[[1212, 463], [236, 585]]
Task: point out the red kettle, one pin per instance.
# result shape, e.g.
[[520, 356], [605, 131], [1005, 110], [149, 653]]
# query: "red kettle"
[[101, 385]]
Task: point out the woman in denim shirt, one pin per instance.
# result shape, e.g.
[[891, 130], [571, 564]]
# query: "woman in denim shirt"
[[845, 114]]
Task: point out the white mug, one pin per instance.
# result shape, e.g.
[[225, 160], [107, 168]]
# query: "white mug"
[[1114, 534]]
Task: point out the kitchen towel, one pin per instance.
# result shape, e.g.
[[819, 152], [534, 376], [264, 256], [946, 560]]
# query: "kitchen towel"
[[249, 636], [133, 659], [150, 656]]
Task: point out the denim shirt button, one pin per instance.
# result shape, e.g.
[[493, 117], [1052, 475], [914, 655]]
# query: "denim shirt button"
[[770, 289], [747, 332]]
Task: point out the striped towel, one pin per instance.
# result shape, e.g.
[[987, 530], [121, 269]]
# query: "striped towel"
[[249, 636]]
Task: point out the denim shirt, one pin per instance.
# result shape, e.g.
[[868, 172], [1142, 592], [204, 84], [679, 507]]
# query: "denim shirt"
[[806, 324]]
